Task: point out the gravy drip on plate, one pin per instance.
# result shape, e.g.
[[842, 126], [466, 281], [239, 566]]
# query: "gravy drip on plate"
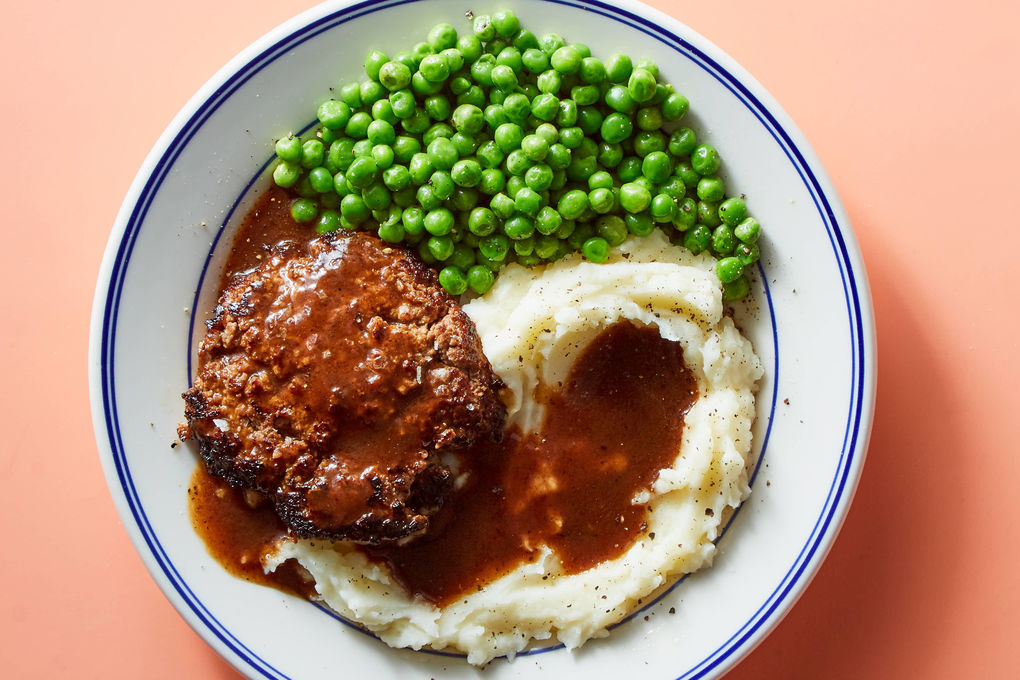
[[615, 422], [237, 528]]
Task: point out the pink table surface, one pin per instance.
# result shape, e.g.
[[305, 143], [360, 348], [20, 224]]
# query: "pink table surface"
[[912, 107]]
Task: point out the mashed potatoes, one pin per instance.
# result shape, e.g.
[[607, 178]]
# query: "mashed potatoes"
[[533, 324]]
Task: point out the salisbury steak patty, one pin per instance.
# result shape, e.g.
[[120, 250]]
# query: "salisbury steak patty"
[[332, 378]]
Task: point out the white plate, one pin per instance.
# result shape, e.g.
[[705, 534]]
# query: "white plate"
[[812, 326]]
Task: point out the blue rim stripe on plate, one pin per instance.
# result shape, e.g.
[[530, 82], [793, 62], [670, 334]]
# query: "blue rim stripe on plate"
[[269, 55]]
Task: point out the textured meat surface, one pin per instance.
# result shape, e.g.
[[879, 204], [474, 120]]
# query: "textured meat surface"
[[332, 378]]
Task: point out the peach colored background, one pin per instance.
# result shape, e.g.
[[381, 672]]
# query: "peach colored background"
[[912, 107]]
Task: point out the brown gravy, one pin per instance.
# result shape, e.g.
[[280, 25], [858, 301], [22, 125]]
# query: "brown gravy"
[[237, 533], [615, 422]]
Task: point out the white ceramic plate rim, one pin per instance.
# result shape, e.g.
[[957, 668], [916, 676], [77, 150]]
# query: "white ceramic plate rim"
[[656, 26]]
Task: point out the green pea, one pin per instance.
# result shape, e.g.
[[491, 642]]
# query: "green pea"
[[351, 94], [413, 219], [519, 226], [601, 200], [748, 254], [723, 240], [592, 70], [502, 205], [376, 196], [370, 92], [438, 107], [572, 204], [589, 119], [546, 246], [329, 220], [517, 108], [729, 269], [494, 247], [506, 23], [675, 106], [466, 173], [673, 187], [304, 210], [527, 201], [682, 142], [504, 77], [535, 60], [748, 230], [404, 148], [646, 142], [357, 126], [545, 106], [353, 208], [571, 137], [396, 177], [584, 95], [320, 179], [619, 99], [517, 162], [286, 174], [374, 62], [481, 221], [362, 172], [705, 160], [483, 27], [312, 153], [708, 213], [417, 123], [566, 60], [334, 114], [639, 224], [732, 211], [441, 247], [480, 279], [629, 169], [442, 36], [641, 85], [548, 220], [595, 249], [662, 208], [615, 128], [550, 42], [289, 149], [612, 228], [736, 290], [649, 118], [656, 166], [686, 172], [443, 184], [427, 198], [481, 69], [634, 197], [492, 181], [442, 153], [697, 239], [391, 232], [618, 68], [686, 214], [539, 177], [711, 189]]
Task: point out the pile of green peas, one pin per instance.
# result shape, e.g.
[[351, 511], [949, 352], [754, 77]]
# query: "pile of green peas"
[[501, 146]]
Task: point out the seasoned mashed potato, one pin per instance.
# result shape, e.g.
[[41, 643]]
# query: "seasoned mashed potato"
[[533, 323]]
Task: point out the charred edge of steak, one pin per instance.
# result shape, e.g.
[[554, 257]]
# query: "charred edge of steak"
[[407, 515]]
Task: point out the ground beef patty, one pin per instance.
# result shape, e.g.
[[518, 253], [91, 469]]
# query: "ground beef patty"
[[332, 378]]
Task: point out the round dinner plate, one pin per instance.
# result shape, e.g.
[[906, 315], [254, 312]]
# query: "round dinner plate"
[[809, 318]]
